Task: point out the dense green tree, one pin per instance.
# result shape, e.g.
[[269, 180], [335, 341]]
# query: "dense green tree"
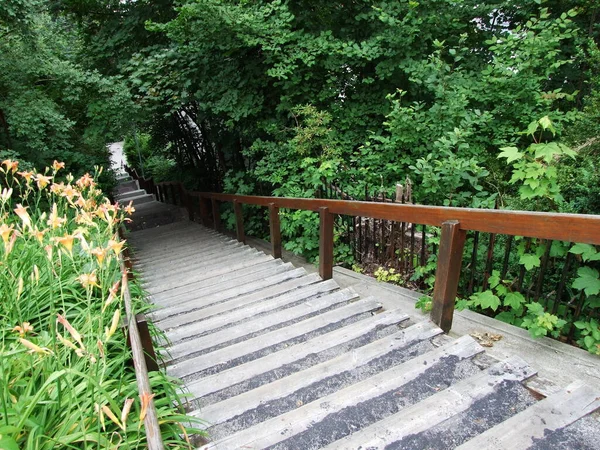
[[50, 106]]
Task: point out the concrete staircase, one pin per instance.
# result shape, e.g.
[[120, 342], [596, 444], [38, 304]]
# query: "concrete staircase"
[[274, 357]]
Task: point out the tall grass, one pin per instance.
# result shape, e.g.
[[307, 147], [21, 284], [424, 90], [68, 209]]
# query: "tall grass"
[[66, 379]]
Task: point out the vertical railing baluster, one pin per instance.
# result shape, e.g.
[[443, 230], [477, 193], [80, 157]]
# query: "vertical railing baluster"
[[216, 213]]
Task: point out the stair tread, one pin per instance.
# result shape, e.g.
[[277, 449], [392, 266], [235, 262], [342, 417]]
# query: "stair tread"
[[236, 375], [235, 351], [197, 309], [222, 411], [282, 427], [554, 412], [253, 326], [270, 309]]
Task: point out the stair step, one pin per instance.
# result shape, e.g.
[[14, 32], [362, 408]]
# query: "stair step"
[[283, 427], [191, 238], [219, 283], [140, 199], [536, 424], [325, 372], [212, 256], [252, 327], [324, 343], [284, 305], [125, 196], [207, 272], [259, 346], [197, 309]]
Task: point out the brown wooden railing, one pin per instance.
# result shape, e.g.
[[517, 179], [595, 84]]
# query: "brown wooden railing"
[[454, 223], [142, 350]]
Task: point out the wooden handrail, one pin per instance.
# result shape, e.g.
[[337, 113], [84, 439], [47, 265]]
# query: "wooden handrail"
[[455, 222], [151, 425]]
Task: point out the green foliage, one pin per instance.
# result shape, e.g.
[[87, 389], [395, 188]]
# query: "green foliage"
[[388, 275], [534, 169], [589, 332], [65, 372], [51, 108]]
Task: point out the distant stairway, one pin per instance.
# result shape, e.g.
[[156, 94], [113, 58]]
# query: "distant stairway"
[[276, 358]]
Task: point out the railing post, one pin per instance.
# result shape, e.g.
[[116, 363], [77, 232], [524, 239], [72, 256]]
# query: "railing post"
[[147, 345], [189, 205], [275, 227], [172, 189], [239, 221], [181, 193], [216, 213], [447, 274], [204, 212], [325, 243]]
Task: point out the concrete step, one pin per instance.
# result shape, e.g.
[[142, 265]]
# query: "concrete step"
[[321, 348], [201, 308], [234, 279], [543, 425], [140, 199], [350, 400], [191, 340], [191, 274], [208, 257], [124, 197], [321, 379], [284, 305], [259, 346]]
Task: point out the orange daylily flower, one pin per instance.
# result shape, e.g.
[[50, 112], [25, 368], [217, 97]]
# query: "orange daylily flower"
[[6, 231], [34, 348], [88, 280], [42, 180], [55, 221], [66, 241], [146, 398], [72, 331], [21, 211], [85, 181], [116, 246], [58, 165], [99, 253], [129, 209], [57, 188], [10, 165], [27, 175], [23, 329], [69, 192]]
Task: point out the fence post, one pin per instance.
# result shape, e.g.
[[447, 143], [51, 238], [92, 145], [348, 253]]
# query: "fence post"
[[239, 221], [189, 205], [203, 211], [181, 194], [147, 345], [447, 274], [173, 197], [275, 227], [216, 213], [325, 243]]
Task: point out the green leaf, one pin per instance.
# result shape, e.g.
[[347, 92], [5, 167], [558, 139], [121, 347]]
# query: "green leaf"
[[8, 443], [510, 153], [506, 317], [486, 299], [530, 261], [587, 281], [558, 249], [588, 252], [514, 300], [546, 151], [546, 123]]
